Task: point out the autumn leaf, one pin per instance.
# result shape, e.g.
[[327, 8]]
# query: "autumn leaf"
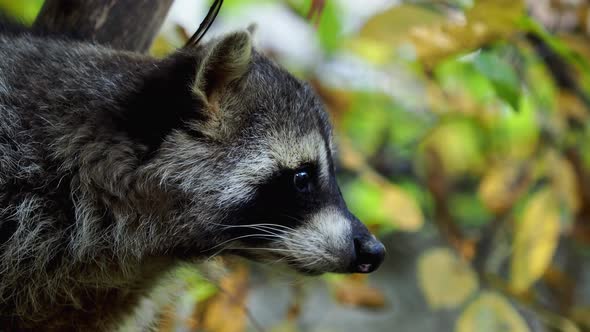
[[403, 208], [285, 326], [503, 184], [458, 145], [393, 27], [354, 291], [564, 181], [535, 240], [490, 312], [226, 311], [388, 202], [570, 106], [434, 35], [581, 315], [445, 280]]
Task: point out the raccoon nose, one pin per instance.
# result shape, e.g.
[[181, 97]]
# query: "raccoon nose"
[[369, 254]]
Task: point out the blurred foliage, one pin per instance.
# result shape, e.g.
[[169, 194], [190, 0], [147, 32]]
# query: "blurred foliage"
[[475, 122], [455, 281], [25, 11]]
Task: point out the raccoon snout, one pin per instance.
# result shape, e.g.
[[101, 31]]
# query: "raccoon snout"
[[369, 254]]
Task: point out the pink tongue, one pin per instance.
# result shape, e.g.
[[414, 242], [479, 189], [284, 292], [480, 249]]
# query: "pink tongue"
[[364, 267]]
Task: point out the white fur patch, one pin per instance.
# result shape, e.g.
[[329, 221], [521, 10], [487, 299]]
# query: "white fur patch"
[[323, 244]]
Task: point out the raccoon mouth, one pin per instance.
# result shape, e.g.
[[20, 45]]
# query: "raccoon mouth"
[[278, 260], [294, 263]]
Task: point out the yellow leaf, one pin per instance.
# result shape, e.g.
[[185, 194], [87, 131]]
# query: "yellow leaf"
[[576, 42], [161, 47], [402, 209], [490, 312], [393, 25], [571, 106], [285, 326], [457, 143], [535, 240], [370, 50], [502, 185], [581, 315], [226, 311], [354, 291], [564, 181], [446, 280], [434, 35]]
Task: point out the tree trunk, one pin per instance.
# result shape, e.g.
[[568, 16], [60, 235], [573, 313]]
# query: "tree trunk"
[[122, 24]]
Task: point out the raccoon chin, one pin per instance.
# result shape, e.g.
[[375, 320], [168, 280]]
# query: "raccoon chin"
[[278, 261], [307, 271]]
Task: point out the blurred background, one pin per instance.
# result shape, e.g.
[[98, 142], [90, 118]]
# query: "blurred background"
[[464, 143]]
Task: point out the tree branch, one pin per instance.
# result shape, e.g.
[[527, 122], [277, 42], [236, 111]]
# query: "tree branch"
[[438, 186], [122, 24]]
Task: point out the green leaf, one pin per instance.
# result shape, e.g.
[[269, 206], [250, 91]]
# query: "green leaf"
[[23, 10], [367, 122], [501, 74], [200, 288], [329, 29], [364, 200], [383, 203], [469, 209], [516, 134], [457, 77]]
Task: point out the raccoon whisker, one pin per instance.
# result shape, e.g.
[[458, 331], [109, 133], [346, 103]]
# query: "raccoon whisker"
[[277, 233], [312, 263], [265, 248], [214, 254], [268, 231], [303, 252], [295, 240], [275, 226], [254, 248], [293, 218], [238, 238], [268, 225], [276, 261], [268, 228]]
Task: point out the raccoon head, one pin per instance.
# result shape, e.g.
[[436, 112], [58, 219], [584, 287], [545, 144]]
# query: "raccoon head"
[[247, 153]]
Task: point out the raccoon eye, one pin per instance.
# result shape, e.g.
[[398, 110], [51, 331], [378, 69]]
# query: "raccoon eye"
[[302, 181]]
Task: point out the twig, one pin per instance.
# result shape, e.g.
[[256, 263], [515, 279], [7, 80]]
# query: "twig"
[[550, 318], [439, 188], [122, 24]]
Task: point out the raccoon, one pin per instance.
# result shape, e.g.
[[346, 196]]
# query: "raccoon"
[[115, 167]]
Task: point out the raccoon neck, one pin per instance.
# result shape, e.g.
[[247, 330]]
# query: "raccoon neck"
[[82, 236]]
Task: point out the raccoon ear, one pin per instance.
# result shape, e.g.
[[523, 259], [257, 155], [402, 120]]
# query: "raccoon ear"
[[252, 28], [227, 61]]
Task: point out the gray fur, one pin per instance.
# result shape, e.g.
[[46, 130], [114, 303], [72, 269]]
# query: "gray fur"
[[92, 215]]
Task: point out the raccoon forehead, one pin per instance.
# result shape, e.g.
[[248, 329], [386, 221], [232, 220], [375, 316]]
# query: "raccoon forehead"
[[291, 151]]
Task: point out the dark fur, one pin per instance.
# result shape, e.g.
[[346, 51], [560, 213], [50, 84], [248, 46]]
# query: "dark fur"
[[116, 166]]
